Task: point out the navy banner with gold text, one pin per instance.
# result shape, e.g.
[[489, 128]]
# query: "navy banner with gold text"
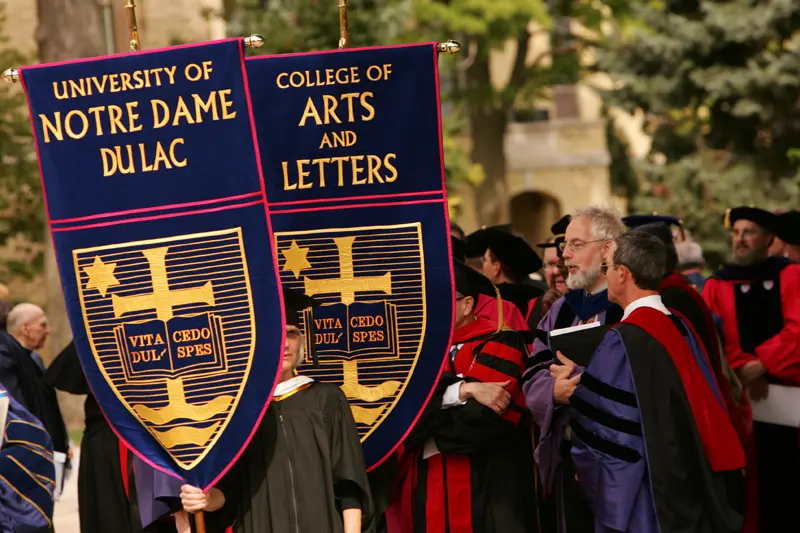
[[159, 217], [351, 150]]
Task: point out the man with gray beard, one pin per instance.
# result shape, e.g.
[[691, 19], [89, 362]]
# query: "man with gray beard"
[[586, 244], [757, 297]]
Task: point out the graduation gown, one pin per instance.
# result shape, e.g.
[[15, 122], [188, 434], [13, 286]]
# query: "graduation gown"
[[466, 469], [486, 307], [27, 473], [679, 295], [21, 376], [102, 500], [652, 442], [561, 494], [759, 306], [303, 466]]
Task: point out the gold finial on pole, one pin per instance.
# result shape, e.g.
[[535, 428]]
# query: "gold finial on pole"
[[11, 75], [344, 32], [449, 47], [135, 44], [254, 41]]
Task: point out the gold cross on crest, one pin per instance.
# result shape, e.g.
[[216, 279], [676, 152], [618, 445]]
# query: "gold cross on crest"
[[162, 299], [347, 284]]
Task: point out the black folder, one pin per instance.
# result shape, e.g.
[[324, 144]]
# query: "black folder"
[[578, 345]]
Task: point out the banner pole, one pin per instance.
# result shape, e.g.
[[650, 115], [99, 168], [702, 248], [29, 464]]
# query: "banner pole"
[[200, 522], [135, 43], [344, 32]]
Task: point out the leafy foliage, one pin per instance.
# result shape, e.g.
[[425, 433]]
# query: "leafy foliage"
[[718, 82], [21, 209]]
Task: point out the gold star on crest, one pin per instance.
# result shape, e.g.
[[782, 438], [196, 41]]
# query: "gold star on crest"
[[296, 260], [101, 276]]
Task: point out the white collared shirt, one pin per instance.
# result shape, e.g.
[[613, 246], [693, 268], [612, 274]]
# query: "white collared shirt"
[[653, 301]]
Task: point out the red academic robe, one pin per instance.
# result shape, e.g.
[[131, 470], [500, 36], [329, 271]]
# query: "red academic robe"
[[482, 480], [760, 310], [679, 294], [512, 316]]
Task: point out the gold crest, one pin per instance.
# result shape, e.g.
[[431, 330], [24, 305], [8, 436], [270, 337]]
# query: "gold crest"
[[171, 326], [368, 331]]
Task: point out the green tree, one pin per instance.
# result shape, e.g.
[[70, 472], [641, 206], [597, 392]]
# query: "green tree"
[[718, 83], [21, 213], [308, 25]]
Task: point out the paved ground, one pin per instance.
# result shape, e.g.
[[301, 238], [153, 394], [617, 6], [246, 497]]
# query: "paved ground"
[[66, 515]]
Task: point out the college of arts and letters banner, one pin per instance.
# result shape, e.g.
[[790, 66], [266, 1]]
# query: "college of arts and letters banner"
[[351, 149], [158, 214]]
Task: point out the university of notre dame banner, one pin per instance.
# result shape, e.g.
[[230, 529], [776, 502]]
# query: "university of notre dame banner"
[[158, 214], [351, 149]]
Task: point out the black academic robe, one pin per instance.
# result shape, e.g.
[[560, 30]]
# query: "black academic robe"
[[382, 481], [652, 442], [521, 295], [23, 379], [102, 502], [302, 468], [482, 480]]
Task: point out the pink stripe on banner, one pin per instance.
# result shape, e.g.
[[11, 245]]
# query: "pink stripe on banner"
[[156, 208], [277, 274], [355, 198], [340, 50], [156, 217], [357, 206], [124, 54], [450, 263]]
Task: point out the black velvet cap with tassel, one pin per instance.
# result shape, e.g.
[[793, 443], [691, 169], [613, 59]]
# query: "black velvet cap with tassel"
[[294, 303]]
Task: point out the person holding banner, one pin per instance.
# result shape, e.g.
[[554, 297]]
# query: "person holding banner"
[[303, 471], [27, 472]]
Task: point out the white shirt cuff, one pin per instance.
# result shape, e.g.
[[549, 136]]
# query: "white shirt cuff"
[[451, 396]]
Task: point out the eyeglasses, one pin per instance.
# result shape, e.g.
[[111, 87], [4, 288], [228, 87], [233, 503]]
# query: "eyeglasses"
[[576, 245]]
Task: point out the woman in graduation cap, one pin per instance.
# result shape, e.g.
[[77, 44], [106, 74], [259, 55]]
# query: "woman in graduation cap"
[[304, 471]]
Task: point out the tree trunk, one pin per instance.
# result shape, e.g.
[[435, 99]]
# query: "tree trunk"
[[67, 29], [488, 121]]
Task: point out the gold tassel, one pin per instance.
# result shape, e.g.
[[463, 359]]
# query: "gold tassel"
[[727, 220], [501, 321], [500, 317]]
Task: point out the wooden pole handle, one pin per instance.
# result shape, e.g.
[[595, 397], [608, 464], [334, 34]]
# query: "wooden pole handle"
[[200, 522]]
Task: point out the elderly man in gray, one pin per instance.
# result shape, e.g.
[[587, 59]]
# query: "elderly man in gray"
[[22, 370], [587, 243]]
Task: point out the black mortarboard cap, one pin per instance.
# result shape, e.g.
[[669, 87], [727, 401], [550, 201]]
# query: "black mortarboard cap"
[[788, 227], [559, 230], [469, 282], [477, 242], [762, 217], [659, 230], [512, 250], [635, 221], [294, 303], [459, 248]]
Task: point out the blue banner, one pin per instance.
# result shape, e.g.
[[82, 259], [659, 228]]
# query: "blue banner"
[[158, 213], [351, 149]]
